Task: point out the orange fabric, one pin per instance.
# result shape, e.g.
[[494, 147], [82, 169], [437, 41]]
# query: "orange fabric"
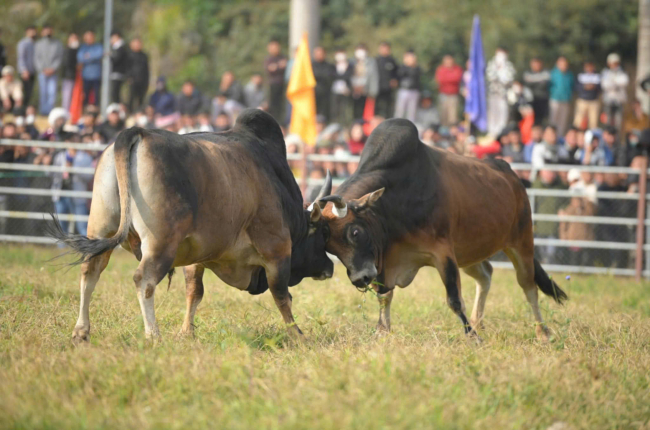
[[491, 148], [300, 93], [526, 127], [368, 113], [77, 101]]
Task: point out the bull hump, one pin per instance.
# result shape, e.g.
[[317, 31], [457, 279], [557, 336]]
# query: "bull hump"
[[393, 142], [263, 126]]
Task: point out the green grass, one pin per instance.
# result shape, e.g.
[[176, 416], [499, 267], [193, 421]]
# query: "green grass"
[[242, 372]]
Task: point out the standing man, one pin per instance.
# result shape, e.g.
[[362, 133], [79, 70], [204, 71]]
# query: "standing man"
[[408, 94], [324, 74], [365, 80], [26, 70], [119, 65], [138, 75], [90, 57], [500, 74], [562, 82], [69, 70], [387, 68], [48, 53], [587, 104], [538, 80], [614, 83], [448, 76], [275, 64]]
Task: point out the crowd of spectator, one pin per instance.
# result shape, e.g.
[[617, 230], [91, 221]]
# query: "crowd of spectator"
[[540, 116]]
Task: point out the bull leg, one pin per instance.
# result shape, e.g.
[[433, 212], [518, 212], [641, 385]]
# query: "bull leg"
[[193, 295], [278, 278], [90, 271], [482, 274], [523, 260], [384, 297], [450, 275], [150, 272]]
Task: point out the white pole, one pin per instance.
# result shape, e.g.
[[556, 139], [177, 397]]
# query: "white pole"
[[305, 17], [643, 53], [106, 62]]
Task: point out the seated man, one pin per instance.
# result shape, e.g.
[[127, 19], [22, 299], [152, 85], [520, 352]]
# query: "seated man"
[[11, 90]]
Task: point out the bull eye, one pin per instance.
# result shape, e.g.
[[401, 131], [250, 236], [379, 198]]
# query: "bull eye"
[[355, 232]]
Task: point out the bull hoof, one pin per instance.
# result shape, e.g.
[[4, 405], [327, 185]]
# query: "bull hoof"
[[80, 335], [477, 324], [474, 337], [382, 329], [543, 334]]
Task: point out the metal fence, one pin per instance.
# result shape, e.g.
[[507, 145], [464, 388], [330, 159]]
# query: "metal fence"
[[580, 230]]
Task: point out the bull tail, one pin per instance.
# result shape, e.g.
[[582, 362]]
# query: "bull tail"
[[86, 247], [547, 285]]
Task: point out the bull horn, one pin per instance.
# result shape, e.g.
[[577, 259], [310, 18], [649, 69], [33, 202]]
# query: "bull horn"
[[340, 208], [326, 189]]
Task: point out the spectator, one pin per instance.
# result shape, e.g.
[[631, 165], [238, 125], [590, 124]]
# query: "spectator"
[[519, 98], [190, 100], [536, 134], [547, 180], [449, 76], [90, 57], [114, 123], [341, 88], [72, 182], [614, 83], [500, 73], [636, 120], [56, 131], [88, 122], [562, 81], [426, 114], [69, 70], [513, 150], [357, 138], [11, 90], [408, 93], [595, 153], [587, 104], [387, 69], [254, 93], [162, 101], [187, 125], [119, 65], [548, 151], [537, 80], [223, 105], [612, 232], [364, 81], [618, 149], [3, 53], [48, 53], [25, 57], [578, 206], [331, 136], [203, 122], [572, 144], [275, 65], [222, 122], [324, 74], [231, 87], [138, 75]]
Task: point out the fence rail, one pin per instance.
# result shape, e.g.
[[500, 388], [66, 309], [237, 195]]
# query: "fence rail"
[[640, 248]]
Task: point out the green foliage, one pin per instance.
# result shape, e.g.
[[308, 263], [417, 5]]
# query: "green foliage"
[[203, 38]]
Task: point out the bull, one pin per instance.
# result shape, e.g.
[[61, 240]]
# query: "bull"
[[226, 201], [408, 206]]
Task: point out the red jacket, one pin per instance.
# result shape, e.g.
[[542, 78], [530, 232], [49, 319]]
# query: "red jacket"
[[449, 78]]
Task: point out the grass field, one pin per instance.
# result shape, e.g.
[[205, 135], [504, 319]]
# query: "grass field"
[[242, 372]]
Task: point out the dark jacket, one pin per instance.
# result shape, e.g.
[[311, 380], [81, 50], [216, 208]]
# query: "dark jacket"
[[119, 62], [139, 68], [69, 63], [235, 92], [387, 67], [409, 77], [324, 74], [538, 83], [163, 102], [191, 105], [3, 56], [588, 86]]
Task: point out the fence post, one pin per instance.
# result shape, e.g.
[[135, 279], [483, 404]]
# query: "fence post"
[[640, 236]]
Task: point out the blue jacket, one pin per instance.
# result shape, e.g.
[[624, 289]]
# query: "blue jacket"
[[163, 102], [561, 85], [91, 58]]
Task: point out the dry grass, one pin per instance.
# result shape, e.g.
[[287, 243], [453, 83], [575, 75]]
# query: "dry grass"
[[241, 372]]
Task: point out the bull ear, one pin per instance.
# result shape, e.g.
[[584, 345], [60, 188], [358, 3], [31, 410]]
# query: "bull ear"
[[326, 189], [370, 199], [315, 214]]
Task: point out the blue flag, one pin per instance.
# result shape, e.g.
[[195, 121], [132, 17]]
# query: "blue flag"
[[475, 104]]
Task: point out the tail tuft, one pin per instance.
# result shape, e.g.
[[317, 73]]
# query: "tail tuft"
[[547, 285], [85, 247]]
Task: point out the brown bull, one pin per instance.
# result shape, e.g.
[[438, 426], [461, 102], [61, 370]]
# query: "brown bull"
[[223, 201], [409, 206]]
